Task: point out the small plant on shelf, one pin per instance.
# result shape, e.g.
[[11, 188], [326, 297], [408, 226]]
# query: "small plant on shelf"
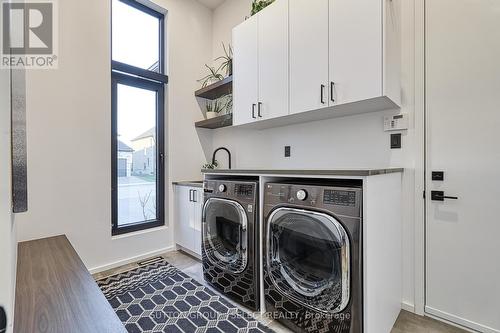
[[219, 106], [212, 77], [258, 5], [227, 59], [210, 166], [214, 108]]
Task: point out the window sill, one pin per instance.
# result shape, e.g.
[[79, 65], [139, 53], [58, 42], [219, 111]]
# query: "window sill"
[[126, 233]]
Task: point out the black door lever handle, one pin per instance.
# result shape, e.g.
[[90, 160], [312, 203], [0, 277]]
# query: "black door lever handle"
[[439, 196]]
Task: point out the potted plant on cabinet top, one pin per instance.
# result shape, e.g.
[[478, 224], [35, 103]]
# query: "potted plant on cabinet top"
[[258, 5]]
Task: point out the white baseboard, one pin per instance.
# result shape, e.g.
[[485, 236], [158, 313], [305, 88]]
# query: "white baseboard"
[[126, 261], [408, 307], [458, 322]]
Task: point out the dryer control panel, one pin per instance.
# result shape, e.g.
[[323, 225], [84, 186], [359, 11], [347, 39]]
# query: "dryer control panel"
[[340, 200]]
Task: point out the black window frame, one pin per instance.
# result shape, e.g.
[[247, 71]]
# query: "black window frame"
[[136, 77]]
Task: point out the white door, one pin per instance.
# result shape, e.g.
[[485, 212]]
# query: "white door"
[[245, 71], [463, 131], [355, 50], [183, 217], [273, 61], [308, 55]]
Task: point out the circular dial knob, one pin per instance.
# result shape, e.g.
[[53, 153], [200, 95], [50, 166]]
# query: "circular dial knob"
[[302, 195], [222, 188]]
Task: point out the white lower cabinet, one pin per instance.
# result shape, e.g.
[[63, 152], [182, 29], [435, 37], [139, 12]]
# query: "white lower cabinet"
[[188, 207]]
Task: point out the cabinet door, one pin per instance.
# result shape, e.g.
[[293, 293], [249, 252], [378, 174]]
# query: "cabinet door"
[[197, 213], [308, 55], [183, 217], [245, 71], [355, 50], [273, 61]]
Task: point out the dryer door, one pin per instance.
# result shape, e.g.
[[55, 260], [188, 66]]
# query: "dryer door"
[[225, 239], [308, 258]]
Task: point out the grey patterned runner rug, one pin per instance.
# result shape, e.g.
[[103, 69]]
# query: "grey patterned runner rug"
[[158, 297]]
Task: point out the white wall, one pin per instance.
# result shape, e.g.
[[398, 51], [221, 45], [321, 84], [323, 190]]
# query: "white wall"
[[7, 227], [69, 130], [349, 142], [229, 14]]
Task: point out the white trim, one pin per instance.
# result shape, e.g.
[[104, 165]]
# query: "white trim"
[[458, 322], [408, 307], [419, 111], [130, 260]]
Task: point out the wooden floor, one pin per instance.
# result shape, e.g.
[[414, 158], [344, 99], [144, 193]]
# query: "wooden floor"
[[406, 323]]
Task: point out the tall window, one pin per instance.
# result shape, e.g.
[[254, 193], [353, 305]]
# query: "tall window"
[[138, 80]]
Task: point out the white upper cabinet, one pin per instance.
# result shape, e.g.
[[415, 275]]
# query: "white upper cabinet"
[[245, 71], [355, 50], [273, 61], [308, 55], [306, 60], [260, 80], [363, 50]]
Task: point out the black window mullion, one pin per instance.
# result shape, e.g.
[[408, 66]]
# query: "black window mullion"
[[138, 72]]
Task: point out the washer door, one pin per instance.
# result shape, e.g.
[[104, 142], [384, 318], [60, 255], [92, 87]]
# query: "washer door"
[[225, 236], [308, 258]]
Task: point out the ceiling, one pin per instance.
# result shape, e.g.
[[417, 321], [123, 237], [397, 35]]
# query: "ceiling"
[[212, 4]]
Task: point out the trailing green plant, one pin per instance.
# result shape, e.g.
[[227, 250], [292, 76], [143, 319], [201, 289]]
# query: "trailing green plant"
[[213, 76], [227, 59], [210, 166], [258, 5]]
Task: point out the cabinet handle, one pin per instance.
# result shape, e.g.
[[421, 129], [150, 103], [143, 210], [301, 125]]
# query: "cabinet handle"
[[259, 109], [253, 111], [194, 195], [190, 195], [322, 94], [332, 88]]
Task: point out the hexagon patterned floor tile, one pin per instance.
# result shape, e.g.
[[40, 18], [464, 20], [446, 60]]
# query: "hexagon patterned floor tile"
[[160, 298]]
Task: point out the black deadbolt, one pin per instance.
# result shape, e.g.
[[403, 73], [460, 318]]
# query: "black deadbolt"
[[438, 176]]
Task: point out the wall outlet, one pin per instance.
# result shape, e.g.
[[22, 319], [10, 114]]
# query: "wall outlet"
[[396, 141], [288, 151]]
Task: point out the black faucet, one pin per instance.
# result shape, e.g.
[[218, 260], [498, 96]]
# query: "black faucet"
[[228, 153]]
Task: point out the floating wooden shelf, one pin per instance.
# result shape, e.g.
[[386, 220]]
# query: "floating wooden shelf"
[[217, 122], [217, 89]]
